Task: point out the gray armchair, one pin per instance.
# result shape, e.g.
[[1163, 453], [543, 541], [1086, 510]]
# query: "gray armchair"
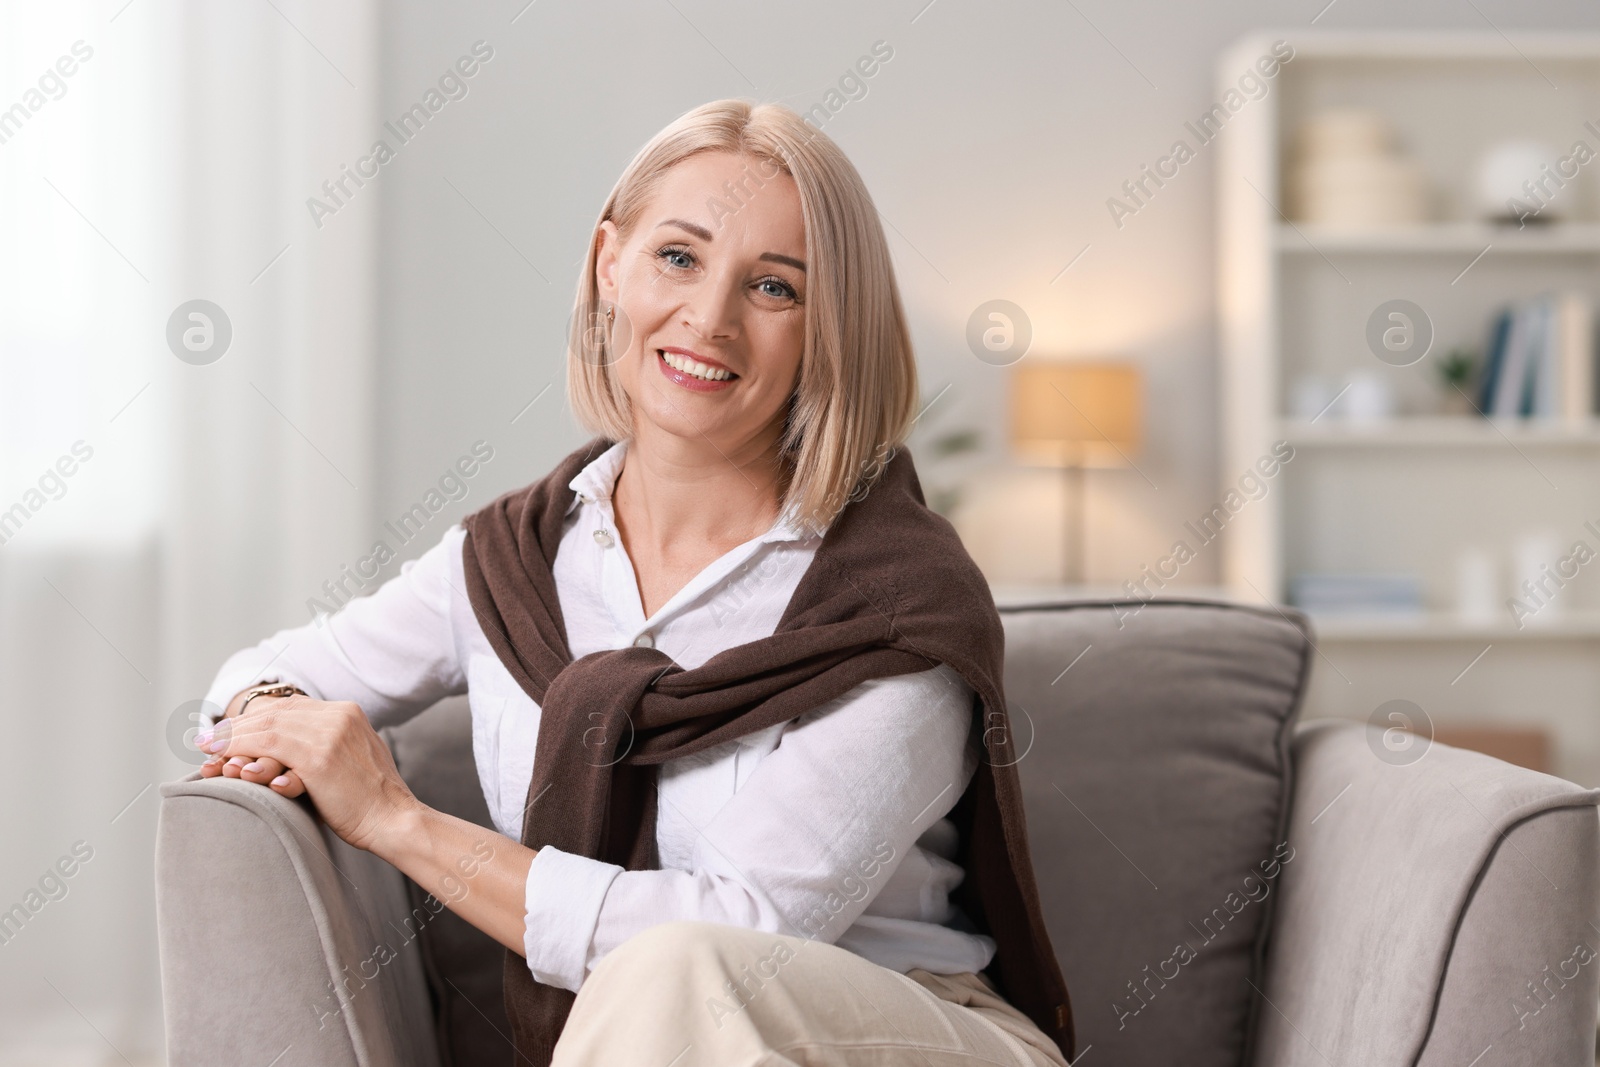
[[1222, 886]]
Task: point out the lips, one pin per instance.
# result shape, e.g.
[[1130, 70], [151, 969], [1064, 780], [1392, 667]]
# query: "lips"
[[693, 371]]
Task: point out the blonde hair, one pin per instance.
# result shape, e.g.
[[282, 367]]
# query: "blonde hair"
[[855, 399]]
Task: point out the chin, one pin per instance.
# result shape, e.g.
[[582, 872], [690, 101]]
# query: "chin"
[[678, 418]]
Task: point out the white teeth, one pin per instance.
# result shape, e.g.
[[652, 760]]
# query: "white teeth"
[[695, 368]]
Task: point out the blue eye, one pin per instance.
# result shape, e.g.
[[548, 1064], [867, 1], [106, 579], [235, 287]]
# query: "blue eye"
[[784, 291], [676, 257]]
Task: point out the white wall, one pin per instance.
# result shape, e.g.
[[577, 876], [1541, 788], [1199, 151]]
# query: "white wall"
[[991, 142]]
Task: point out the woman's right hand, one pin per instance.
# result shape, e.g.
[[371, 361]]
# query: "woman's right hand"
[[261, 770]]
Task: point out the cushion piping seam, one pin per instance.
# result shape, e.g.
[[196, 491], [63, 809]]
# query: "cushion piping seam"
[[1511, 820]]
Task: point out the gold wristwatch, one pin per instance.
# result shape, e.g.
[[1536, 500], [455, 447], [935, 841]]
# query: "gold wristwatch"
[[269, 689]]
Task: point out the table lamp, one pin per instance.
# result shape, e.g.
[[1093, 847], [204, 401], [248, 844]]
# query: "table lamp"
[[1076, 414]]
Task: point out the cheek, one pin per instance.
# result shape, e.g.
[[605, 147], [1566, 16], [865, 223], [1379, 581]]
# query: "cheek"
[[648, 310], [782, 344]]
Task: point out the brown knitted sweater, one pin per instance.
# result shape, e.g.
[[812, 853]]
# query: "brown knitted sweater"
[[890, 591]]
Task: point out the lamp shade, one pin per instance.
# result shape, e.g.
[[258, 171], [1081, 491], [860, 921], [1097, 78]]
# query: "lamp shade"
[[1076, 413]]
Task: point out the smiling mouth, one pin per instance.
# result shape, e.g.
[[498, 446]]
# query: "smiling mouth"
[[694, 368]]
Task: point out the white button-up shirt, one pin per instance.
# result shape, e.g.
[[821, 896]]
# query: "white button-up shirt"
[[829, 826]]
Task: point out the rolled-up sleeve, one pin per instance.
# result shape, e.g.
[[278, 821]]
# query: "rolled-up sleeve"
[[564, 896], [802, 847], [393, 652]]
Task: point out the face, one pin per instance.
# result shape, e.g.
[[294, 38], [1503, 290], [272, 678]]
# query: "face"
[[715, 296]]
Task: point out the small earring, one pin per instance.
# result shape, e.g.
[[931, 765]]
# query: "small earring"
[[611, 313]]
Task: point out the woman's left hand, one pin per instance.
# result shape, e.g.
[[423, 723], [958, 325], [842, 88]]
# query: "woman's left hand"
[[347, 769]]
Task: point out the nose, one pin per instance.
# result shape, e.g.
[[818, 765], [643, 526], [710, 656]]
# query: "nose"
[[712, 311]]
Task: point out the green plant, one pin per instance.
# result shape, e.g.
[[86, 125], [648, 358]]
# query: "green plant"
[[1457, 368], [941, 447]]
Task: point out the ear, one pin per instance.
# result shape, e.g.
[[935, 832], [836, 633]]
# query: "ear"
[[606, 259]]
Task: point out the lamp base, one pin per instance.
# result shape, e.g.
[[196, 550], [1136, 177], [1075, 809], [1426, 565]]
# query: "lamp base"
[[1075, 526]]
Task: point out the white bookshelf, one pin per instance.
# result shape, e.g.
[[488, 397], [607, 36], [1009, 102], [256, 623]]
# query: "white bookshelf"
[[1408, 494]]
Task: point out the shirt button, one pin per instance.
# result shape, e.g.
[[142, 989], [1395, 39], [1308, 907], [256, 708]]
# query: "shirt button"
[[603, 538], [644, 640]]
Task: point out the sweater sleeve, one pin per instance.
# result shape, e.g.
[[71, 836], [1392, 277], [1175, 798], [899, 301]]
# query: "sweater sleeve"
[[393, 652], [802, 848]]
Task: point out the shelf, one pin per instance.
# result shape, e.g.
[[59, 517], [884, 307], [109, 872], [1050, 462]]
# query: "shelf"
[[1447, 238], [1448, 431], [1443, 626]]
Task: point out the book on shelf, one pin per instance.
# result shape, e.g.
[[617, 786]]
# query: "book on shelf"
[[1389, 595], [1540, 360]]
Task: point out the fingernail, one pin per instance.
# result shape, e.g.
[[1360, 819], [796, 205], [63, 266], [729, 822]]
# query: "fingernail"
[[281, 780], [202, 737], [216, 746], [238, 761], [253, 766]]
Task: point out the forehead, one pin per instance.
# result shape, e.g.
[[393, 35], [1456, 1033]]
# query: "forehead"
[[733, 195]]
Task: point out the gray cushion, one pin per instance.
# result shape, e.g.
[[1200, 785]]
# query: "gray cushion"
[[1156, 779]]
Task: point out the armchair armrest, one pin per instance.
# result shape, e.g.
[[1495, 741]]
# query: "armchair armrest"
[[276, 935], [1431, 911]]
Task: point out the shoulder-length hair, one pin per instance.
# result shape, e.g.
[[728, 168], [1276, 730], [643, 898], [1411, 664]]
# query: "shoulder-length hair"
[[855, 399]]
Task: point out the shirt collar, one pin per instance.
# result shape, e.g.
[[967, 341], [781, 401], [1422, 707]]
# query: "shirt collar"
[[594, 483], [597, 478]]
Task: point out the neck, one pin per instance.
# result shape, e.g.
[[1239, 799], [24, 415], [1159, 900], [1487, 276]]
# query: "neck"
[[674, 492]]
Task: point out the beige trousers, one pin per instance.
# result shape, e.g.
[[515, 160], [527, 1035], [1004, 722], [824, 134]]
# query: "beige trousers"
[[694, 994]]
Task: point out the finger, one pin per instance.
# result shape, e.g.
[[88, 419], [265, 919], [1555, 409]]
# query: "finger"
[[231, 768], [261, 771], [254, 736], [287, 784], [212, 767]]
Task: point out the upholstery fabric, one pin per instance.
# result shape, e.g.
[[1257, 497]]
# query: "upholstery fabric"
[[1157, 783], [1392, 860], [237, 865], [1485, 1000]]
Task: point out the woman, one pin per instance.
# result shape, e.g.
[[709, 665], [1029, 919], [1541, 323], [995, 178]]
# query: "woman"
[[723, 665]]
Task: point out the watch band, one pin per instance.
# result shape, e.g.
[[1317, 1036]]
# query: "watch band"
[[269, 689]]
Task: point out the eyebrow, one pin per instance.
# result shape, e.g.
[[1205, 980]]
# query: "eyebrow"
[[705, 235]]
